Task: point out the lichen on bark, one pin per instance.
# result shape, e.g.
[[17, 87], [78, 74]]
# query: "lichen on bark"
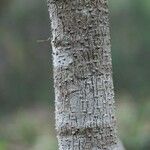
[[84, 94]]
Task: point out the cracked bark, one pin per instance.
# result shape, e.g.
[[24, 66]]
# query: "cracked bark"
[[84, 95]]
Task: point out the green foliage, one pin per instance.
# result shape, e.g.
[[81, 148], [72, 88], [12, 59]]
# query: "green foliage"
[[134, 123], [130, 47], [28, 129], [24, 76], [3, 145]]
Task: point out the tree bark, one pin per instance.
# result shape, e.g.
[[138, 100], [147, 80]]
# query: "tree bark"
[[84, 94]]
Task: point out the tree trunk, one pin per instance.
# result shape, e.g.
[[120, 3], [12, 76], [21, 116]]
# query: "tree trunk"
[[84, 95]]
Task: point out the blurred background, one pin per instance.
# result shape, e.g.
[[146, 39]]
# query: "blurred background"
[[26, 84]]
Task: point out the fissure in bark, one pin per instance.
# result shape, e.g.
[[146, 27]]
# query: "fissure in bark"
[[84, 95]]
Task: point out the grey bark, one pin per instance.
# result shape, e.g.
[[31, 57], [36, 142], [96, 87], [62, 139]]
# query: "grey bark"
[[84, 94]]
